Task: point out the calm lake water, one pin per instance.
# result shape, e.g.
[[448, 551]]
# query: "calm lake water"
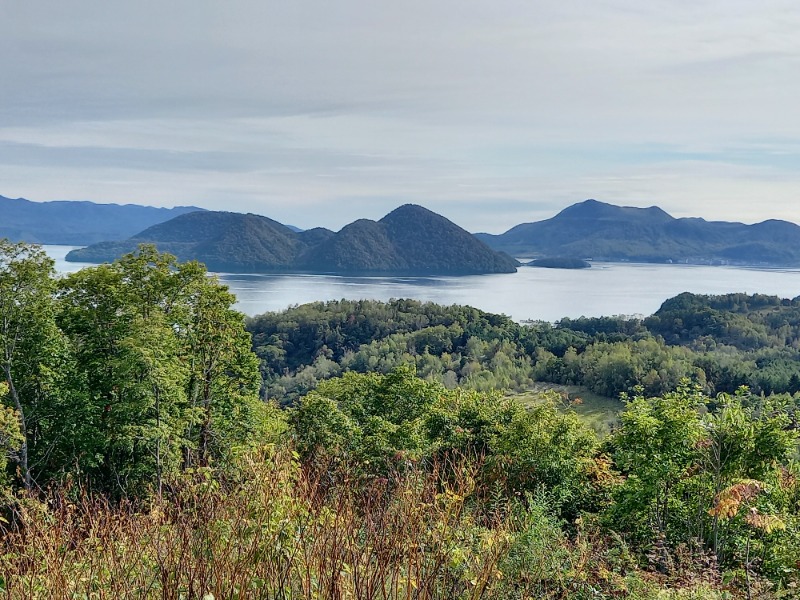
[[531, 293]]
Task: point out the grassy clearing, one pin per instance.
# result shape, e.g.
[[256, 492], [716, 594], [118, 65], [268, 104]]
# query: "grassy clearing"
[[599, 412]]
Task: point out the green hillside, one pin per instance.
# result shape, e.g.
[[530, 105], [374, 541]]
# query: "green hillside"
[[224, 241]]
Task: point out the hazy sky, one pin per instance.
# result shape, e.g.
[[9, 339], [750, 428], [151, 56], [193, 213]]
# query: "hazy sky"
[[491, 112]]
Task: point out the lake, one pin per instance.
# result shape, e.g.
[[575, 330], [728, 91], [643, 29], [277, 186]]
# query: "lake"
[[532, 293]]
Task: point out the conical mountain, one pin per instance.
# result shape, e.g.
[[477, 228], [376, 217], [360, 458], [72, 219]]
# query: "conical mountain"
[[410, 240], [428, 240]]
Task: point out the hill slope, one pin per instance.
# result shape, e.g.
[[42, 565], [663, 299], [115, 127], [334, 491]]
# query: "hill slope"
[[409, 241], [224, 241], [601, 231], [78, 223]]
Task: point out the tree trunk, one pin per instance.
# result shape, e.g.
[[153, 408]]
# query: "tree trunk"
[[205, 427], [194, 391], [159, 472], [747, 566], [22, 456]]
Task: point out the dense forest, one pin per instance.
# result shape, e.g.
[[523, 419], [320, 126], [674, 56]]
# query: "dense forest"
[[158, 444], [720, 343]]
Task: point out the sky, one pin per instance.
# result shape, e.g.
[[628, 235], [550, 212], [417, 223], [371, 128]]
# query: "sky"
[[319, 112]]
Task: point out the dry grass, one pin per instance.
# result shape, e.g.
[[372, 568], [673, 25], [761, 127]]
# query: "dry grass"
[[275, 529], [279, 531]]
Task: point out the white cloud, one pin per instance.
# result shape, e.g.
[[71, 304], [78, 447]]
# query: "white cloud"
[[492, 113]]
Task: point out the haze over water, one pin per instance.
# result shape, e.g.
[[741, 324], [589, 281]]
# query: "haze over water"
[[531, 293]]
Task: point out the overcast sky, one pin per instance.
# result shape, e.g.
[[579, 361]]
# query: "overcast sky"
[[490, 112]]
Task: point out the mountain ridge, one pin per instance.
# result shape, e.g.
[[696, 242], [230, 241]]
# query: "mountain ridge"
[[78, 222], [410, 240], [600, 231]]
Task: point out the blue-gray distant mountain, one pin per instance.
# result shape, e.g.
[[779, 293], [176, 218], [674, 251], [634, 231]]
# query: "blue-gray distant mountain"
[[410, 240], [76, 223], [604, 232]]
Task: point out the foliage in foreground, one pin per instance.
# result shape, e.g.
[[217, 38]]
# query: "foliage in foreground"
[[392, 487], [278, 530], [684, 474], [130, 426], [121, 375]]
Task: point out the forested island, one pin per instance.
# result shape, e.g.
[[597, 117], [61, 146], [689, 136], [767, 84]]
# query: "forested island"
[[560, 263], [157, 443], [410, 240]]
